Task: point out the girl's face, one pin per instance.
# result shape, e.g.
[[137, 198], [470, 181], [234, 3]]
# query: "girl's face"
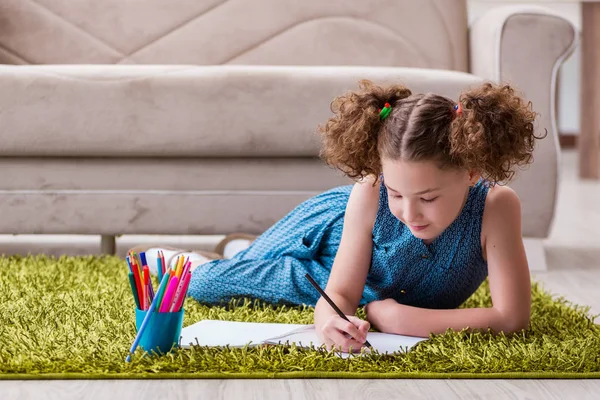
[[424, 197]]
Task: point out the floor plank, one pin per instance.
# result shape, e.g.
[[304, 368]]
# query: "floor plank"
[[299, 389]]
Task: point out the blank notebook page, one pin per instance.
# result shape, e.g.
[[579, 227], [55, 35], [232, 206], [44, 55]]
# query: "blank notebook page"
[[237, 334], [214, 333]]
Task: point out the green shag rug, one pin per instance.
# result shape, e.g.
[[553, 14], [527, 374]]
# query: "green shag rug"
[[73, 317]]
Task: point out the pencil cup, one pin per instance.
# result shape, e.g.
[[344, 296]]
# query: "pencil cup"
[[162, 332]]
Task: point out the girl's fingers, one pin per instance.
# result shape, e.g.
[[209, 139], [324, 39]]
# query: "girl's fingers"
[[345, 335], [349, 329], [343, 342], [362, 327]]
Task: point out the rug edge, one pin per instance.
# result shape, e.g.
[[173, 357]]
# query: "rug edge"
[[308, 375]]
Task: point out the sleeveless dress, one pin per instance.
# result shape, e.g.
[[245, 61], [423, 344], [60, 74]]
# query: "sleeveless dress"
[[441, 275]]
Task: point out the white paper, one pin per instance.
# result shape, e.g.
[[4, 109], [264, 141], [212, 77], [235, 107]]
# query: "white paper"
[[214, 333], [237, 334], [384, 343]]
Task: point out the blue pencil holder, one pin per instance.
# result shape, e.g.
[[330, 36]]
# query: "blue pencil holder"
[[163, 330]]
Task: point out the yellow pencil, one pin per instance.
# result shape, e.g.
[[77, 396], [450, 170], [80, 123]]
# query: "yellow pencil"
[[179, 269]]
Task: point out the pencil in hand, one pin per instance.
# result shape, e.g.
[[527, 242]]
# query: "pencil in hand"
[[331, 303]]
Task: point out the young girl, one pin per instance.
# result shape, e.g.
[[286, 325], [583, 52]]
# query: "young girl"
[[418, 232]]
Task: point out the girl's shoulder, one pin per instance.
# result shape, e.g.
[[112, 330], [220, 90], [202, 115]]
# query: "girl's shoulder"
[[368, 189], [363, 203], [502, 204], [499, 198]]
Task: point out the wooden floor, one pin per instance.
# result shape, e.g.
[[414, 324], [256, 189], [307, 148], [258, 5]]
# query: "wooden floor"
[[573, 252]]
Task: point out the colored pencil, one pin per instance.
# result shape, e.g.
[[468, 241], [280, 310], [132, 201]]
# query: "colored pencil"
[[146, 289], [170, 292], [179, 268], [138, 284], [134, 290], [161, 290], [143, 258], [181, 300], [159, 268], [164, 265], [178, 293]]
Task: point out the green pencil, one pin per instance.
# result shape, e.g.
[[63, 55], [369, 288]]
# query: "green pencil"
[[134, 290], [161, 289]]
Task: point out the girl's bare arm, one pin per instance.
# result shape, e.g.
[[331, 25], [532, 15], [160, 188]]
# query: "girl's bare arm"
[[353, 259], [508, 275]]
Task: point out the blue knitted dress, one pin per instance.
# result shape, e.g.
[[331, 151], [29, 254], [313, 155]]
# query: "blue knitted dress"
[[440, 275]]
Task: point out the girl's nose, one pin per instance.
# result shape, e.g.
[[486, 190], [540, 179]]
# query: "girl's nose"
[[411, 213]]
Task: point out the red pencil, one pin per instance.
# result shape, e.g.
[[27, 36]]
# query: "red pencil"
[[162, 258], [146, 288]]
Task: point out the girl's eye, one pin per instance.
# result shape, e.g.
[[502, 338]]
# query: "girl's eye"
[[397, 196]]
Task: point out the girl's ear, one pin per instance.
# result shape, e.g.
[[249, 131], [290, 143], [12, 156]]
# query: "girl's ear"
[[474, 177]]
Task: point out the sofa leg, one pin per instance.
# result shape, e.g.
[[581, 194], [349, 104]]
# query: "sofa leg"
[[536, 254], [108, 244]]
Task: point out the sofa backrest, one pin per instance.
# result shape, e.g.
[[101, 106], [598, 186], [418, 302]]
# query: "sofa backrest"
[[409, 33]]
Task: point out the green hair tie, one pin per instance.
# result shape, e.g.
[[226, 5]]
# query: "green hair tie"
[[385, 111]]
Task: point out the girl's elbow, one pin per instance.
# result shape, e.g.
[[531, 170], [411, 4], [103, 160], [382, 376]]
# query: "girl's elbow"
[[515, 324], [508, 320]]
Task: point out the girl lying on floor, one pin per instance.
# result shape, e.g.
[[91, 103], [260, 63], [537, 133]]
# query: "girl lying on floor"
[[414, 237]]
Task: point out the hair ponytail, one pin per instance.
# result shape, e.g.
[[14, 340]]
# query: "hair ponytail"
[[350, 137], [495, 132]]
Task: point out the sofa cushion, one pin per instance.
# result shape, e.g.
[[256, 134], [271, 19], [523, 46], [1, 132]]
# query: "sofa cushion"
[[184, 111], [407, 33]]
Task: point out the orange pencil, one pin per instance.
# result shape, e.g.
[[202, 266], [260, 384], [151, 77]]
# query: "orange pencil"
[[138, 258], [179, 267]]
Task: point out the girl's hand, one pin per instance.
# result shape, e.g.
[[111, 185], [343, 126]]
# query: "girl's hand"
[[343, 335], [382, 313]]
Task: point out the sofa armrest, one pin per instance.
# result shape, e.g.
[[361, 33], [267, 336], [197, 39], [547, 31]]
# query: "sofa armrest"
[[525, 46]]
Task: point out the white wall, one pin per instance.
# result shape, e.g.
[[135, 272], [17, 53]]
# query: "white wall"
[[569, 75]]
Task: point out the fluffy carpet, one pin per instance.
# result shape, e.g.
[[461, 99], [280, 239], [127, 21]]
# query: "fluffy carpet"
[[73, 317]]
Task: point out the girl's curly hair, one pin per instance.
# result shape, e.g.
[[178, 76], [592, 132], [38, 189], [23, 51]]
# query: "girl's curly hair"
[[493, 134]]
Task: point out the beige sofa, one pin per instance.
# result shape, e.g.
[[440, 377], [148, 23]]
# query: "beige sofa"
[[199, 117]]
